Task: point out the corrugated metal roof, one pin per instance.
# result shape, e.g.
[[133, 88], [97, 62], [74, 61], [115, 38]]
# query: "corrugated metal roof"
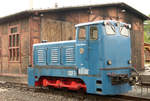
[[28, 13]]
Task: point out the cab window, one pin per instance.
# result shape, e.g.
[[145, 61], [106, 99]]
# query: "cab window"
[[82, 33], [93, 33], [110, 29], [124, 31]]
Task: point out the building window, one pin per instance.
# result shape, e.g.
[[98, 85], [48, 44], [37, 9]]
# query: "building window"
[[14, 43]]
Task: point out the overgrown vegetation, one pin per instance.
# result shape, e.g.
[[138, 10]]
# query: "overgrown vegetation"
[[147, 31]]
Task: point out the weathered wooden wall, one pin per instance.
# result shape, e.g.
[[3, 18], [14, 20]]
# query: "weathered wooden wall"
[[54, 30], [34, 34], [19, 67]]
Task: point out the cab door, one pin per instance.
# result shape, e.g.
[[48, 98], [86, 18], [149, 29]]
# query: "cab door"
[[93, 48], [82, 50]]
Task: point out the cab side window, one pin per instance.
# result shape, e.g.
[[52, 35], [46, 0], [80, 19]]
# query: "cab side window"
[[93, 33], [82, 33]]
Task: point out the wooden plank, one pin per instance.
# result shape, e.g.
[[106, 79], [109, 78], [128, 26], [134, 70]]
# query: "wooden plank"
[[51, 30], [54, 30], [68, 32]]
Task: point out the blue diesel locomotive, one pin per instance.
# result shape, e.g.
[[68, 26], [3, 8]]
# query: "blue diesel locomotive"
[[98, 61]]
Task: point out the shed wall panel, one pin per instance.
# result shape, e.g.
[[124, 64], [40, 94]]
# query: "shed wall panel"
[[25, 43], [15, 67], [51, 30], [54, 30], [5, 68]]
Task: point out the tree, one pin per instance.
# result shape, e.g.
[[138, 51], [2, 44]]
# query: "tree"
[[146, 38], [147, 31]]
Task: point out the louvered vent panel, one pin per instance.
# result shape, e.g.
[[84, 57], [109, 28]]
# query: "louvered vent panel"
[[70, 55], [40, 54], [54, 55]]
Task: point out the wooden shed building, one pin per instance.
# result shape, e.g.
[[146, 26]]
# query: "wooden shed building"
[[18, 32]]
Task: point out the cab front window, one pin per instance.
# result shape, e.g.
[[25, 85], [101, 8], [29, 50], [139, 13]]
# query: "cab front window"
[[124, 31], [110, 29]]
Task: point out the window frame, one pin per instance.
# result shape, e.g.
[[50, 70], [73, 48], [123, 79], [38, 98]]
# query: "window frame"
[[79, 33], [111, 28], [125, 34], [14, 44], [90, 32]]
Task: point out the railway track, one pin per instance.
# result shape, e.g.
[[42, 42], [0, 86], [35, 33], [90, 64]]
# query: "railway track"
[[79, 95]]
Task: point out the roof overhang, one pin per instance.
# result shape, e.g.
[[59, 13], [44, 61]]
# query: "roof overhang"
[[27, 13]]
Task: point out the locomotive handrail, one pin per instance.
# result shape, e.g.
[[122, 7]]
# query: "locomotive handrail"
[[115, 68]]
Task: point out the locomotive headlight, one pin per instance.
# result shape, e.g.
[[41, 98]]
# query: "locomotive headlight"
[[109, 62], [81, 50], [129, 62], [129, 25]]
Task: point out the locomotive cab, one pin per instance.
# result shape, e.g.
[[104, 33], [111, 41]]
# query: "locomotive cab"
[[103, 45], [103, 50]]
